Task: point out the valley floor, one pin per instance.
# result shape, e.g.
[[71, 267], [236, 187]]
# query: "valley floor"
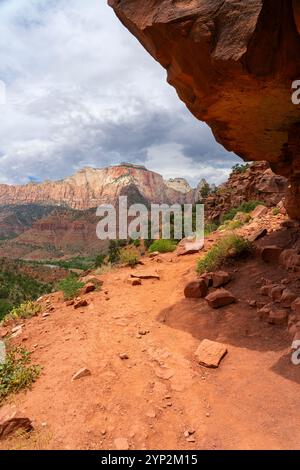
[[150, 399]]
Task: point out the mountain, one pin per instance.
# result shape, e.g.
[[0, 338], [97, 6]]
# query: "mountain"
[[90, 187]]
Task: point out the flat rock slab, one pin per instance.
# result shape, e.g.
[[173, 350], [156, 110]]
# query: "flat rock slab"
[[11, 420], [257, 235], [145, 275], [210, 353]]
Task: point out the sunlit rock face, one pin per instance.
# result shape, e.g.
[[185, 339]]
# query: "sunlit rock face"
[[233, 64]]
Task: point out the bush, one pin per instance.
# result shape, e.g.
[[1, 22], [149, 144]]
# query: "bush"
[[209, 228], [114, 251], [246, 207], [99, 261], [70, 286], [162, 246], [129, 256], [276, 211], [240, 168], [26, 310], [17, 373], [231, 225], [228, 247]]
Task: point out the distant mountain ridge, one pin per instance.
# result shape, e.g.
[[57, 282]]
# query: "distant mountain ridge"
[[90, 187]]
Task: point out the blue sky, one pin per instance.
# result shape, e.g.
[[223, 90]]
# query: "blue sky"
[[81, 91]]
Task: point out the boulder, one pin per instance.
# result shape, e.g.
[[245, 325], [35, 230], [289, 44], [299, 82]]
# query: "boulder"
[[290, 258], [276, 293], [260, 233], [80, 303], [220, 298], [196, 289], [278, 317], [207, 277], [220, 278], [11, 420], [210, 353], [287, 298], [89, 287], [259, 212], [271, 253], [189, 248]]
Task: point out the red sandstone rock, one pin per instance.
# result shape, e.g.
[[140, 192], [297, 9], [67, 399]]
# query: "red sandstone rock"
[[220, 298], [84, 372], [259, 211], [81, 303], [278, 317], [11, 420], [220, 278], [233, 64], [287, 298], [89, 287], [196, 289], [210, 353], [271, 254]]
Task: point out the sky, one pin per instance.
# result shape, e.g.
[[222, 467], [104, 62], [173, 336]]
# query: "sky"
[[81, 91]]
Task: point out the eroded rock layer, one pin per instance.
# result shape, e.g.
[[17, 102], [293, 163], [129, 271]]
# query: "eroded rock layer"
[[233, 64]]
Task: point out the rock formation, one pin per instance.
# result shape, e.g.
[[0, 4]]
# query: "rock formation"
[[258, 182], [233, 64], [90, 187]]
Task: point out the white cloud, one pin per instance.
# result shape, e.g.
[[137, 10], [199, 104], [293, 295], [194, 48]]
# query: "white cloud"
[[81, 90]]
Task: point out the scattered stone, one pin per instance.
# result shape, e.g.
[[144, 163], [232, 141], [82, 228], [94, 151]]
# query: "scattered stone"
[[220, 278], [207, 278], [146, 275], [3, 332], [271, 254], [69, 303], [220, 298], [287, 298], [164, 373], [154, 254], [123, 356], [81, 303], [290, 258], [134, 282], [191, 439], [121, 443], [257, 235], [151, 413], [189, 248], [89, 287], [278, 317], [276, 293], [264, 312], [84, 372], [2, 352], [45, 314], [196, 289], [11, 420], [252, 303], [143, 332], [16, 329], [210, 353], [207, 415], [259, 212]]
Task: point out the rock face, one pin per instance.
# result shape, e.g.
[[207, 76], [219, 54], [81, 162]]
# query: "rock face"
[[90, 187], [233, 64], [258, 182]]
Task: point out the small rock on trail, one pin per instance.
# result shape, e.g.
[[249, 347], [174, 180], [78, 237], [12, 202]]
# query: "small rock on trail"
[[84, 372], [11, 420], [196, 289], [121, 443], [220, 298], [210, 353]]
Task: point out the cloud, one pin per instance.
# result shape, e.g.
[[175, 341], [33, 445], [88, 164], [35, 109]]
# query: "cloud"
[[82, 91]]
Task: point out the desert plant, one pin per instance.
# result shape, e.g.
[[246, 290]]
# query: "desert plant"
[[228, 247], [99, 261], [162, 246], [240, 168], [70, 286], [17, 372], [209, 228], [25, 310], [129, 256], [276, 211], [114, 251]]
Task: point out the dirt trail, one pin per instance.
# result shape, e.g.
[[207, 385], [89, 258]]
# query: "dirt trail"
[[159, 392]]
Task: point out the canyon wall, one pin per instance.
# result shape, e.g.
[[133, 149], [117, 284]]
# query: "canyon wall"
[[233, 64]]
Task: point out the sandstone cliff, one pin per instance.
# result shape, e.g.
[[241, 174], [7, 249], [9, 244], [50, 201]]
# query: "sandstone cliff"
[[233, 64], [90, 187]]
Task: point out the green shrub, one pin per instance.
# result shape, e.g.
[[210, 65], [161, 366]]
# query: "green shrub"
[[240, 168], [276, 211], [209, 228], [231, 225], [99, 261], [17, 372], [162, 246], [246, 207], [26, 310], [114, 252], [228, 247], [70, 286], [129, 256]]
